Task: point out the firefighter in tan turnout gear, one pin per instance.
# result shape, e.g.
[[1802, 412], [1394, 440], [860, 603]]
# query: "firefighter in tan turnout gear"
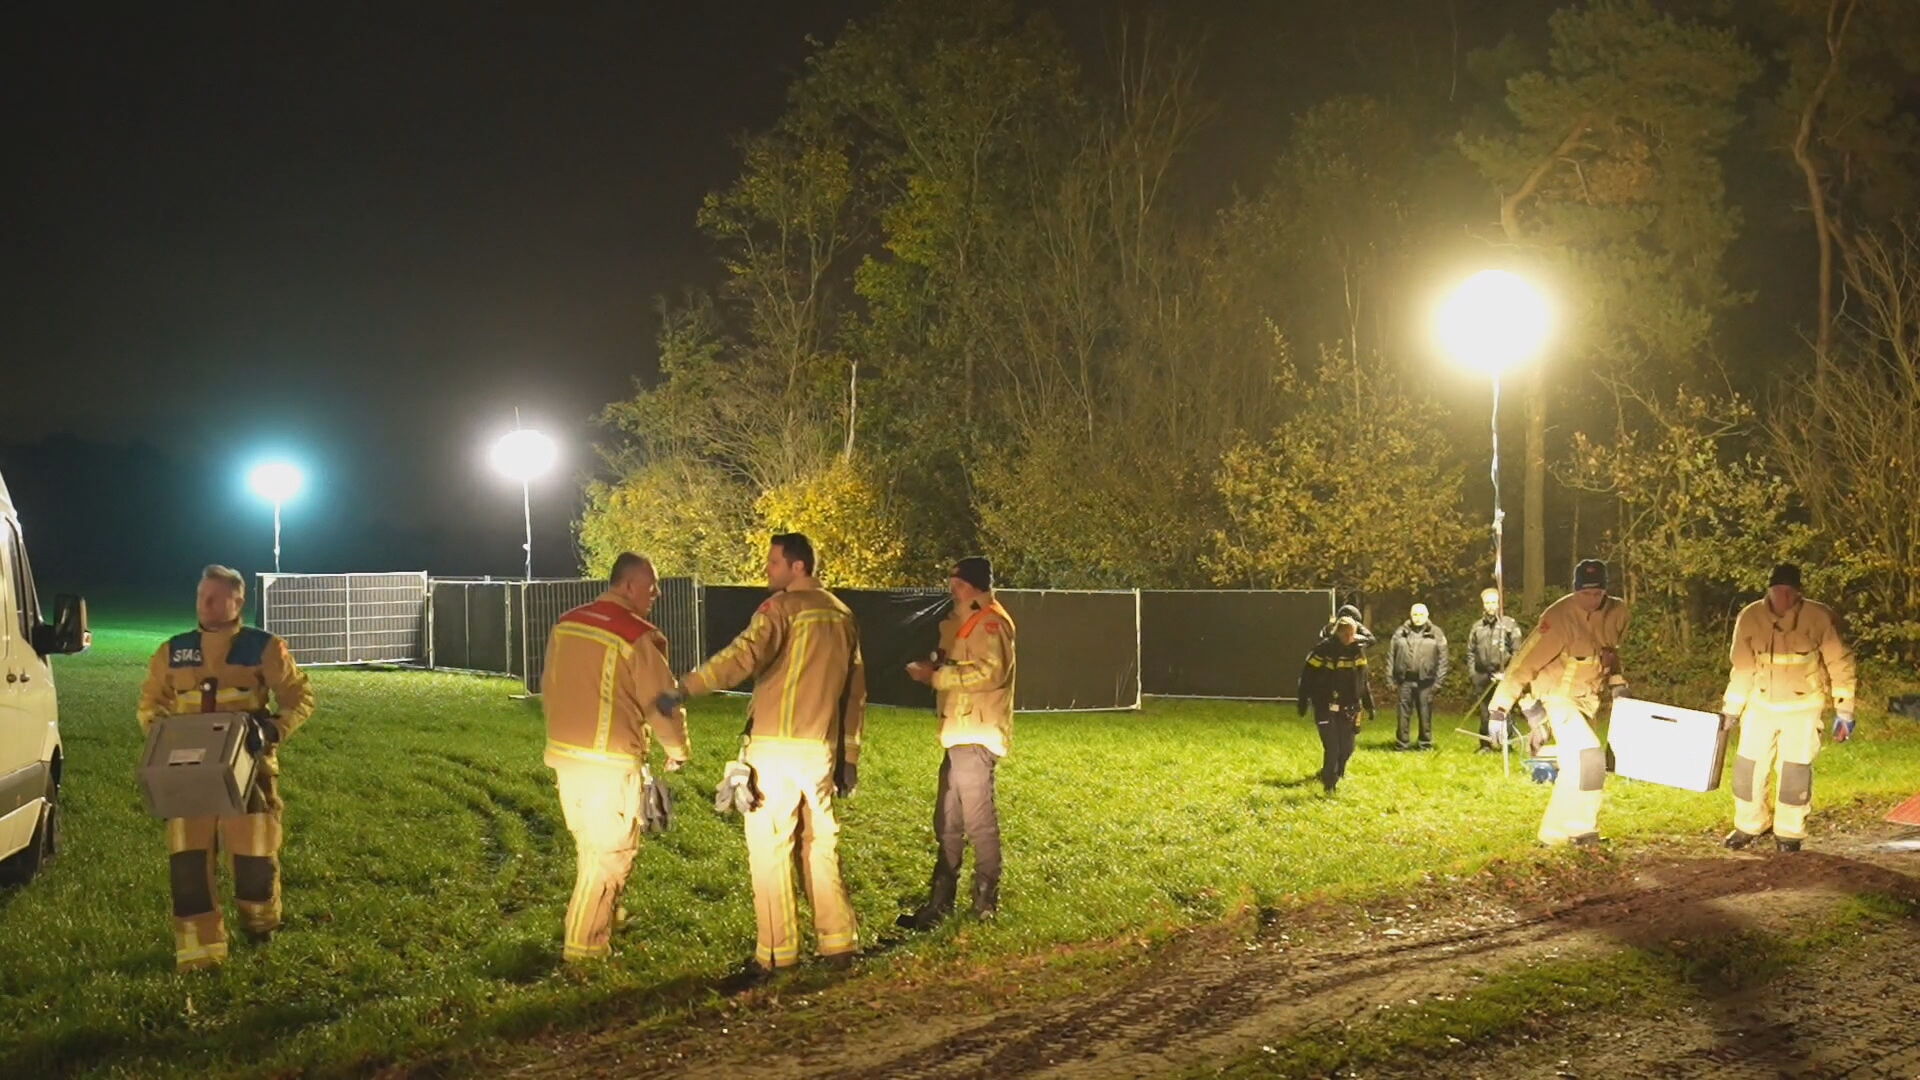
[[225, 667], [605, 671], [1571, 659], [802, 651], [1789, 662], [972, 676]]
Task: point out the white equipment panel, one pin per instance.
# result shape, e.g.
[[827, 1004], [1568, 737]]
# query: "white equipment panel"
[[1665, 744]]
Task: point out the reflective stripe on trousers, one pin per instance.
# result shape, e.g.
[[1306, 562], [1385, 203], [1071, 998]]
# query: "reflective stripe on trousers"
[[601, 804], [199, 927], [1574, 808], [1778, 742], [795, 777]]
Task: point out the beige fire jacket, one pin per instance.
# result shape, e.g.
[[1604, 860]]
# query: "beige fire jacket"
[[973, 685], [1567, 656], [802, 651], [1792, 661]]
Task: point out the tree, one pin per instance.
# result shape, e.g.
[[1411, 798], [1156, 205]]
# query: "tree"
[[688, 517], [1351, 492], [1850, 439], [1843, 122], [858, 537], [1700, 520], [1609, 183]]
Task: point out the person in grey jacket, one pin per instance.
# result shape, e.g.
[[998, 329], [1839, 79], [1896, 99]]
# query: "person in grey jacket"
[[1491, 643], [1417, 662]]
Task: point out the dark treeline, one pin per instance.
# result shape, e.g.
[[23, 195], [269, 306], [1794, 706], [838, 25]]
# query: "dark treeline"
[[986, 290]]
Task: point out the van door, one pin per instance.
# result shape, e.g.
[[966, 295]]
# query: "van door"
[[27, 712]]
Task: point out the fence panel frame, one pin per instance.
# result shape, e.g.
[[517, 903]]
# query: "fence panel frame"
[[286, 625]]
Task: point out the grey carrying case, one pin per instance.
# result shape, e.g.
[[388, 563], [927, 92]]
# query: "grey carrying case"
[[198, 765]]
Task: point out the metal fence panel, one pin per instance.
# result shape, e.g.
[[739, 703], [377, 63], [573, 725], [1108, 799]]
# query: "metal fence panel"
[[538, 606], [1078, 650], [347, 618], [1229, 643], [678, 614]]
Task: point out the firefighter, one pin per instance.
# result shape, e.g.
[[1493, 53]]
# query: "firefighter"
[[972, 677], [1333, 680], [1570, 660], [223, 666], [1789, 662], [1417, 663], [606, 668], [1490, 646], [802, 651]]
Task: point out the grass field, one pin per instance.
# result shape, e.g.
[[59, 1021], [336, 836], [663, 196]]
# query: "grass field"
[[426, 867]]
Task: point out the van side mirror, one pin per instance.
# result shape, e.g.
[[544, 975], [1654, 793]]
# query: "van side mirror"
[[68, 633]]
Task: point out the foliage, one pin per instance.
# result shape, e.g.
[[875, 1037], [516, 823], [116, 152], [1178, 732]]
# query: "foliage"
[[1352, 490], [1700, 523], [686, 516], [1849, 436], [977, 298], [855, 533]]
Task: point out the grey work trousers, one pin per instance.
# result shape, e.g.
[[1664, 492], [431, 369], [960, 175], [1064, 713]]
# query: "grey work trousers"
[[964, 812]]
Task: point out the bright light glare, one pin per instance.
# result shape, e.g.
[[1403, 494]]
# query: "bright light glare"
[[523, 455], [1494, 321], [276, 481]]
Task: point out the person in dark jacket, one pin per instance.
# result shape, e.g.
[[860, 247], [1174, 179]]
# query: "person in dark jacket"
[[1334, 682], [1361, 634], [1490, 647], [1417, 663]]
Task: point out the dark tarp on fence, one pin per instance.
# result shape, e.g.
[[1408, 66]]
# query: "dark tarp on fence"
[[1078, 650], [469, 622], [896, 626], [1228, 643]]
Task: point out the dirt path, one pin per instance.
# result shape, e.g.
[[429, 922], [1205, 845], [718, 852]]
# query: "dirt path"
[[1220, 995]]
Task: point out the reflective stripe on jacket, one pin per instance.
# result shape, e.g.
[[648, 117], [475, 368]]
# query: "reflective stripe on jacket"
[[802, 651], [1793, 660], [974, 686], [605, 668], [1336, 675], [238, 670], [1562, 658]]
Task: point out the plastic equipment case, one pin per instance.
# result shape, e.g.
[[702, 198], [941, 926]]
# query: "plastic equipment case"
[[1664, 744], [198, 765]]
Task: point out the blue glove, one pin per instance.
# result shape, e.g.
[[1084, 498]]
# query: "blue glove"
[[1842, 727], [845, 779], [669, 701]]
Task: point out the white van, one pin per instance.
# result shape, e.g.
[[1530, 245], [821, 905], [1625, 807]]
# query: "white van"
[[30, 754]]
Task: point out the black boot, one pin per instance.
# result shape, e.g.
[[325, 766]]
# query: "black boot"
[[1786, 843], [940, 896], [1740, 841], [986, 898]]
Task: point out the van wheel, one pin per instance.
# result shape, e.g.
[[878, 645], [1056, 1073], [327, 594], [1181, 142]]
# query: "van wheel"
[[20, 868]]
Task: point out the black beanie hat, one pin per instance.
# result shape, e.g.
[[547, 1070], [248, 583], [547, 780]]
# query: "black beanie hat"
[[976, 571], [1590, 574], [1785, 574]]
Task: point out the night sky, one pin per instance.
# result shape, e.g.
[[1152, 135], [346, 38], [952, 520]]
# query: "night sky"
[[361, 234]]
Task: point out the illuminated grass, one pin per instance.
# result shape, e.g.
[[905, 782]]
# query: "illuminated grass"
[[427, 867]]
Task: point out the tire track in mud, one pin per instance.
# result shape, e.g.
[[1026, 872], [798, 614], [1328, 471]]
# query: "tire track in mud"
[[1211, 997]]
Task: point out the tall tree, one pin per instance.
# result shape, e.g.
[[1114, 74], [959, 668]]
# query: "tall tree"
[[1609, 182]]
